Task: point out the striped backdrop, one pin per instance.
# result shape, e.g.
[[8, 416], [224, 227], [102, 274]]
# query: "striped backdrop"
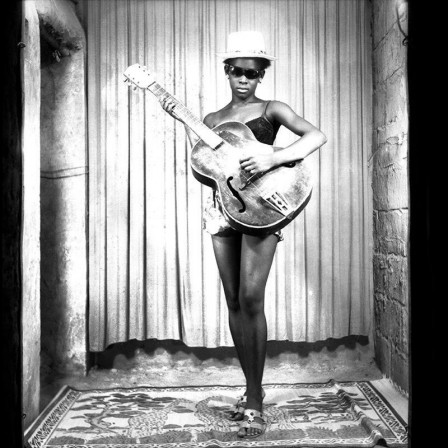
[[152, 272]]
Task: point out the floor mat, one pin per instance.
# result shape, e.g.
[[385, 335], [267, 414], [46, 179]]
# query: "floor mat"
[[349, 414]]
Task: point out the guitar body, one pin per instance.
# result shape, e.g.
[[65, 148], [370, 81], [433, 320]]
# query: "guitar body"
[[262, 205]]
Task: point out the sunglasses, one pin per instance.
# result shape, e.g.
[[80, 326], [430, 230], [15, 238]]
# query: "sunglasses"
[[237, 72]]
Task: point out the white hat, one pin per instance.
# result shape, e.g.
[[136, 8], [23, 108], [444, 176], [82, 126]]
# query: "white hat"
[[246, 44]]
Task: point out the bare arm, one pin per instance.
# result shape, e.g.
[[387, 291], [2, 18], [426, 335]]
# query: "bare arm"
[[208, 121], [169, 106], [192, 137], [311, 138]]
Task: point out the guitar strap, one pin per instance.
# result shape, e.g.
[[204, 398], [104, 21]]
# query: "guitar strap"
[[264, 113]]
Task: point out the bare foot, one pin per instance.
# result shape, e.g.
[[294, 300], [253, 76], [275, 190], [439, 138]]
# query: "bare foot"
[[242, 404], [253, 424], [248, 428]]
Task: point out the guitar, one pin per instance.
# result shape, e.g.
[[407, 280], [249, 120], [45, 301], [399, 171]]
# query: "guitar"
[[255, 205]]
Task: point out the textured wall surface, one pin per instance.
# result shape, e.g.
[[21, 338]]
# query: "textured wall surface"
[[390, 189], [63, 190], [31, 213]]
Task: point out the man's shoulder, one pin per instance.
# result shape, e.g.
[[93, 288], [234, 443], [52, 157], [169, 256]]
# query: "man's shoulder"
[[212, 119]]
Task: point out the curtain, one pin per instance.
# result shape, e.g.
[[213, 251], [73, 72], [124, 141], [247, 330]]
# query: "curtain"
[[152, 272]]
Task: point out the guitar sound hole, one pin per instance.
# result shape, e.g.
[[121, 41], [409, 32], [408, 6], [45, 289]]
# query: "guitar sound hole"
[[237, 196]]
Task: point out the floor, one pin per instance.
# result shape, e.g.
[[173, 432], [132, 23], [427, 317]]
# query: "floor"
[[161, 363]]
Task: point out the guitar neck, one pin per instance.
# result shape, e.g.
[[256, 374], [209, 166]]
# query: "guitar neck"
[[200, 129]]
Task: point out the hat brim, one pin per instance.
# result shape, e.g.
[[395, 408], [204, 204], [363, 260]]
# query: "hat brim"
[[245, 54]]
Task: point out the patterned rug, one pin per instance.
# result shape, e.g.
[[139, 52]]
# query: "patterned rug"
[[302, 415]]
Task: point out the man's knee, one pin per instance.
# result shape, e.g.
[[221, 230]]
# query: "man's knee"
[[232, 300], [251, 301]]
